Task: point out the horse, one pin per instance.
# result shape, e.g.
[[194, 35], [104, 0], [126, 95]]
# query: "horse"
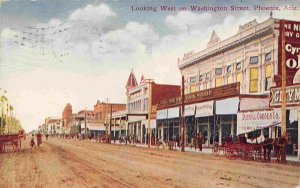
[[280, 146]]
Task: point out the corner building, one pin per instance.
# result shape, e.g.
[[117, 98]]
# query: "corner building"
[[249, 61]]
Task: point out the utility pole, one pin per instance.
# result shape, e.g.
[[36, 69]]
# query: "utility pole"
[[149, 112], [283, 89], [182, 114], [110, 122]]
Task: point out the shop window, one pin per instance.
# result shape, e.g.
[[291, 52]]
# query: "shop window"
[[268, 56], [192, 79], [254, 60], [253, 80], [239, 77], [218, 82], [268, 81], [218, 71], [239, 66]]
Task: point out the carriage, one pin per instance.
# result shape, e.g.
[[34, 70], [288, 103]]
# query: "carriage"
[[251, 151], [13, 140]]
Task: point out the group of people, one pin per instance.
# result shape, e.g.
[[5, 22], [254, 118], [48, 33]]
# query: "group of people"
[[38, 140]]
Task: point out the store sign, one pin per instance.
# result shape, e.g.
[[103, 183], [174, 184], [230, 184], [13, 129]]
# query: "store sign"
[[162, 114], [173, 112], [205, 95], [254, 120], [292, 96], [291, 32], [189, 110], [204, 109]]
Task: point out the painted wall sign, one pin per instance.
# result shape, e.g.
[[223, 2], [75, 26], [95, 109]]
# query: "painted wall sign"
[[292, 96], [205, 95], [254, 120], [292, 49], [204, 109]]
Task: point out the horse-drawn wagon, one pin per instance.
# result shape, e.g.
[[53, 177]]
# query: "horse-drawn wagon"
[[13, 140]]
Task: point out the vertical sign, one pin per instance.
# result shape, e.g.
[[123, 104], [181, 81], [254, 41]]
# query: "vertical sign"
[[290, 31]]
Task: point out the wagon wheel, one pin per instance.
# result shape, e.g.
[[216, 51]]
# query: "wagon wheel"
[[215, 149]]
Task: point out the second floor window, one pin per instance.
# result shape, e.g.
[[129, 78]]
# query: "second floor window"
[[253, 80], [193, 79], [268, 56], [254, 60], [218, 71]]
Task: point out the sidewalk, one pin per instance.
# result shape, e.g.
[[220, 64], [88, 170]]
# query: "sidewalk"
[[290, 159]]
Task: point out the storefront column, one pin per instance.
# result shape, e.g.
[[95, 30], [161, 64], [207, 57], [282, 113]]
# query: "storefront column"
[[162, 132], [208, 132], [114, 129], [126, 128], [298, 134], [232, 127], [220, 132], [142, 134]]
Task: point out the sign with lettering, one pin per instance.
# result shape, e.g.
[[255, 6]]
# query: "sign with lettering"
[[292, 96], [204, 109], [162, 114], [292, 51], [205, 95], [254, 120], [189, 110]]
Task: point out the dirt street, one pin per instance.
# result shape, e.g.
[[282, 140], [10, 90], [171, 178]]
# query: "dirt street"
[[72, 163]]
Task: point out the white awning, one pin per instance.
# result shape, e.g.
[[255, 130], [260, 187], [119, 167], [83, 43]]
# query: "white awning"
[[259, 119], [204, 109], [293, 115], [254, 103], [152, 123], [135, 118], [173, 112], [189, 110], [227, 106], [162, 114]]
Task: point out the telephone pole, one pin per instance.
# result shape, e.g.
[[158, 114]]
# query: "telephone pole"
[[182, 114], [283, 89]]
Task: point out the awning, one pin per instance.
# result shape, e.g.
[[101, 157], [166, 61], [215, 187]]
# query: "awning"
[[152, 123], [260, 119], [162, 114], [254, 103], [293, 115], [173, 112], [227, 106], [135, 118], [189, 110], [204, 109]]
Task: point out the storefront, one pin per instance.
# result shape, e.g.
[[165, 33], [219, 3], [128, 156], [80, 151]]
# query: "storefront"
[[292, 114], [211, 113]]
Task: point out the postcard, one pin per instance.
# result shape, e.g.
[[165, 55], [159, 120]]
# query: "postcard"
[[148, 93]]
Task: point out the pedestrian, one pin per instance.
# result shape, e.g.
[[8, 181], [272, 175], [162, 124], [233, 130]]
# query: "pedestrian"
[[32, 143], [196, 141], [200, 138], [178, 140], [47, 136]]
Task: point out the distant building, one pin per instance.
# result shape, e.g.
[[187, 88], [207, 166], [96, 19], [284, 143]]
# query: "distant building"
[[53, 125], [139, 97], [67, 115]]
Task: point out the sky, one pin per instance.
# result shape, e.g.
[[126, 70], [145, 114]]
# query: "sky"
[[58, 52]]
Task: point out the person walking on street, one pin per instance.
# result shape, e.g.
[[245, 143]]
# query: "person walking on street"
[[200, 138]]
